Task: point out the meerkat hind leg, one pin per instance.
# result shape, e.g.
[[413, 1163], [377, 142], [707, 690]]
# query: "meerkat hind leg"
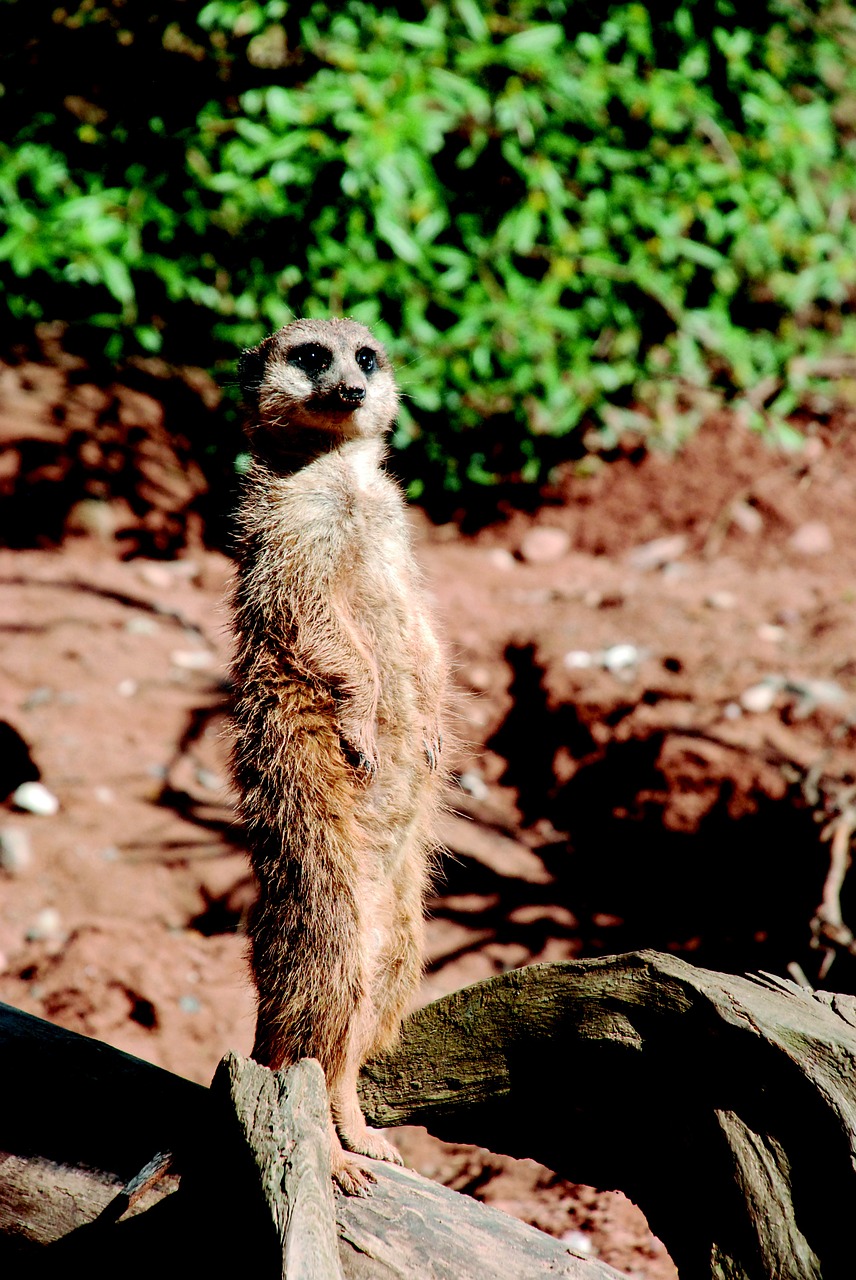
[[354, 1134]]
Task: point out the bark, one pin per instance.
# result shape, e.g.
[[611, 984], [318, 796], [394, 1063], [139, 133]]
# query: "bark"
[[255, 1195], [725, 1107]]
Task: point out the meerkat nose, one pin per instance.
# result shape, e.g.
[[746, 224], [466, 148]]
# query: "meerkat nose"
[[351, 395]]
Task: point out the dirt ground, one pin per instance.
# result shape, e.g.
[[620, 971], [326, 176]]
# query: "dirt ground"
[[655, 691]]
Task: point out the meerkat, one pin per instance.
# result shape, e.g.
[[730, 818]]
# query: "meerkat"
[[340, 685]]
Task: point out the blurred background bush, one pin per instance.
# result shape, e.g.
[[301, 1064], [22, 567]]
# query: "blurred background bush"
[[564, 219]]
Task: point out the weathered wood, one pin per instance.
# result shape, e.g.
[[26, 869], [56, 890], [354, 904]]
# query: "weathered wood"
[[283, 1117], [725, 1107], [412, 1229], [80, 1122]]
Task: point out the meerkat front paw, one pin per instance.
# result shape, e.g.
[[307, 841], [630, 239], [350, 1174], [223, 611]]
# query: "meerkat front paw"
[[359, 745], [432, 745]]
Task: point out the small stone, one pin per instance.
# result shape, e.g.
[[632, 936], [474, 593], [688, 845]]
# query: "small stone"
[[38, 698], [620, 657], [208, 779], [47, 926], [34, 797], [733, 711], [772, 634], [721, 600], [544, 545], [813, 538], [104, 795], [815, 693], [127, 688], [193, 659], [747, 518], [657, 553], [142, 626], [474, 785], [500, 558], [157, 576], [478, 678], [95, 517], [189, 1004], [760, 697], [578, 1242], [16, 853], [578, 660], [164, 574]]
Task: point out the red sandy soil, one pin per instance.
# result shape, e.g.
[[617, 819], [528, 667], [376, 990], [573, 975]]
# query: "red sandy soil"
[[598, 806]]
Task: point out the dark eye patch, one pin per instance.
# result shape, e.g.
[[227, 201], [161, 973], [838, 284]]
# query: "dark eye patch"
[[311, 357], [367, 359]]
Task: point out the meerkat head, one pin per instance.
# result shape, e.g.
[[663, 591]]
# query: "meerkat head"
[[315, 384]]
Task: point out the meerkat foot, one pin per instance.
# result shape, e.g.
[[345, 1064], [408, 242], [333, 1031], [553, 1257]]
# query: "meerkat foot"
[[372, 1143], [351, 1175]]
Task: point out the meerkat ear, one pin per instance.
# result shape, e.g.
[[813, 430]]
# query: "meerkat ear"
[[251, 371]]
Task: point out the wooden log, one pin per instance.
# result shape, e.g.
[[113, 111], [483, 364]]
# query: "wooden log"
[[284, 1118], [78, 1121], [81, 1122], [725, 1107], [412, 1229]]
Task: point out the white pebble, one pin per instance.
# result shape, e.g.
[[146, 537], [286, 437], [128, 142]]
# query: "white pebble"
[[657, 553], [500, 558], [813, 538], [142, 626], [619, 657], [579, 1242], [578, 660], [721, 600], [747, 518], [34, 797], [210, 780], [47, 924], [15, 851], [127, 688], [759, 697], [544, 545], [193, 659], [474, 785]]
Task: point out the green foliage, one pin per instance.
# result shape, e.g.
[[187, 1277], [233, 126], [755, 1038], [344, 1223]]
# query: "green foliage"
[[556, 215]]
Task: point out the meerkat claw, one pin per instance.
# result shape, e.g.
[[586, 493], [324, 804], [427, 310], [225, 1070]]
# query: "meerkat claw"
[[353, 1177], [432, 748]]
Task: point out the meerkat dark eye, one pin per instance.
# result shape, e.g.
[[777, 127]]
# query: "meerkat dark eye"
[[311, 357], [367, 359]]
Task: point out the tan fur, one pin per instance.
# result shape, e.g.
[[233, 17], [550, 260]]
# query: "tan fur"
[[339, 684]]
